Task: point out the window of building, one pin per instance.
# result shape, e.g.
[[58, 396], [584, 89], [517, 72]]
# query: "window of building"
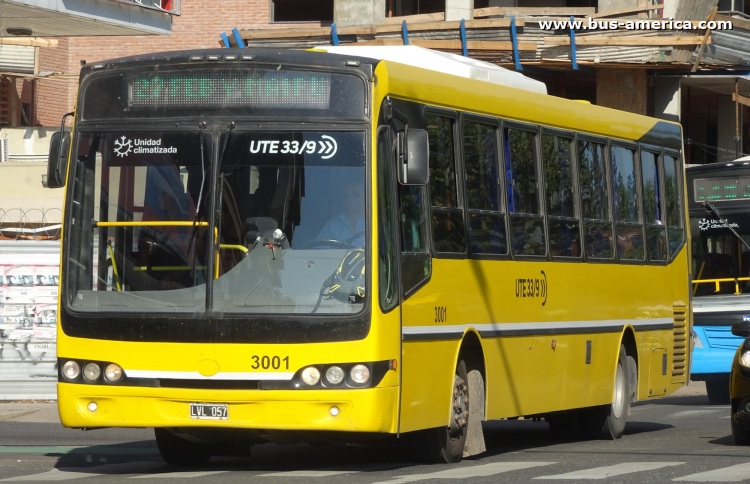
[[301, 11], [562, 223], [447, 215], [597, 222], [656, 233], [526, 221], [486, 214], [627, 217]]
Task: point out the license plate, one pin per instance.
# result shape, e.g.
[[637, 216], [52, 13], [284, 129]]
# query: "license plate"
[[209, 411]]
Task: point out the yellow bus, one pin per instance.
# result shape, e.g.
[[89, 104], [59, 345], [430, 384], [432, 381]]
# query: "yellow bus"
[[287, 245]]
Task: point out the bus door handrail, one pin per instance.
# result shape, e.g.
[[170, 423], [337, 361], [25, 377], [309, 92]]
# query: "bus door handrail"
[[150, 223], [717, 281]]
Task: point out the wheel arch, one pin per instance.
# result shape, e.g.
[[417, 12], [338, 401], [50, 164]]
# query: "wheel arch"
[[631, 349]]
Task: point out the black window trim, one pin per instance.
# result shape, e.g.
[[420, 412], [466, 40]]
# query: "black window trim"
[[610, 204], [639, 199], [680, 178], [659, 152], [497, 124], [536, 129], [460, 195], [572, 136], [396, 236]]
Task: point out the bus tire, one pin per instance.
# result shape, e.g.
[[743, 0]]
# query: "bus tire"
[[617, 413], [445, 445], [718, 391], [179, 452]]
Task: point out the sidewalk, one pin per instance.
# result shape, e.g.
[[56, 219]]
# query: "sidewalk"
[[29, 412]]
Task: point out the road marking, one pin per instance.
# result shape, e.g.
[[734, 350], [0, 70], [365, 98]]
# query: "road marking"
[[307, 473], [740, 472], [177, 475], [615, 470], [464, 472], [68, 473], [692, 413]]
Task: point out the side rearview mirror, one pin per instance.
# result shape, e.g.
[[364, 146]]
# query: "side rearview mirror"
[[413, 157], [57, 162], [741, 329]]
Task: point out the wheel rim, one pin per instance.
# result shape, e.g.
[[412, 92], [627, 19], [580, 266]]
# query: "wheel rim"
[[460, 414], [619, 402]]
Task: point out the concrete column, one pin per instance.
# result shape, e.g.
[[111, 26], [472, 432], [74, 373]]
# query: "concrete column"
[[667, 99], [624, 89], [726, 129], [358, 12], [459, 9]]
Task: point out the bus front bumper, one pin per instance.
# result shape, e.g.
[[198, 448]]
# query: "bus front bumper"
[[359, 410]]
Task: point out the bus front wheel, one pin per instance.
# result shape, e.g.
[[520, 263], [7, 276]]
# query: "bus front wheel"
[[179, 452], [446, 444]]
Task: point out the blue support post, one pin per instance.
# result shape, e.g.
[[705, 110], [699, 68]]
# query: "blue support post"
[[405, 32], [573, 44], [226, 40], [238, 39], [463, 39], [334, 35], [514, 39]]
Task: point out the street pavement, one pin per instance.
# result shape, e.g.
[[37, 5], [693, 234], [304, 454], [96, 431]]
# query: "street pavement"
[[682, 438]]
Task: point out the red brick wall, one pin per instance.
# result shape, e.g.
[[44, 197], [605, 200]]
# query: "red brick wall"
[[199, 26]]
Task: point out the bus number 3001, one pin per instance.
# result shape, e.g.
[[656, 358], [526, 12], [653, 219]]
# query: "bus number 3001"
[[270, 362], [441, 314]]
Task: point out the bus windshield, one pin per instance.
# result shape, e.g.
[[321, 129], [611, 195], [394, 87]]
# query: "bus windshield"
[[719, 257], [289, 222]]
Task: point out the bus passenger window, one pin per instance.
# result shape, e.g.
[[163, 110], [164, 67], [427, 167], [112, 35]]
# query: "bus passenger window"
[[656, 234], [486, 214], [672, 199], [562, 223], [627, 218], [526, 222], [447, 215], [597, 222]]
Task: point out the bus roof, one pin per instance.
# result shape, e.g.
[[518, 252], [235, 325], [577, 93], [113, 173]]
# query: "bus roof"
[[452, 64]]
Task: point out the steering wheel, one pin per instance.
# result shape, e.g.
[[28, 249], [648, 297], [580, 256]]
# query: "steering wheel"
[[333, 243]]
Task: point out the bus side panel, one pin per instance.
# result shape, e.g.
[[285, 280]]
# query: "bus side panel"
[[527, 375]]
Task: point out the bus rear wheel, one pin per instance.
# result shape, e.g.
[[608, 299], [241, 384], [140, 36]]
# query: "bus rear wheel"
[[609, 421], [179, 452]]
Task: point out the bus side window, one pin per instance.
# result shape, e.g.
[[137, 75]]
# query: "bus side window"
[[447, 215], [627, 217], [562, 223], [597, 222], [387, 283], [526, 220], [656, 234], [672, 198], [486, 214]]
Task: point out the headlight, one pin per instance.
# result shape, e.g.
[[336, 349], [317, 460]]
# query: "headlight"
[[360, 374], [311, 375], [334, 375], [113, 372], [91, 371], [71, 370], [696, 340], [745, 359]]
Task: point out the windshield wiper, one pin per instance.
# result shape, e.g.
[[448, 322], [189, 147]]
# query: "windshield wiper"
[[710, 208]]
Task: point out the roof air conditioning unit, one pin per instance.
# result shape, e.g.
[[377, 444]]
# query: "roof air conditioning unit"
[[4, 150]]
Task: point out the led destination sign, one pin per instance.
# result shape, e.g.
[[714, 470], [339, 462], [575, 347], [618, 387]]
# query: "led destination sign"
[[721, 189], [220, 87]]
